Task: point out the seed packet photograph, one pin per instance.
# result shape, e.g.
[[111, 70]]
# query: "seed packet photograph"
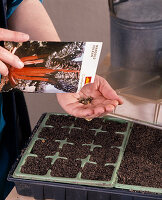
[[52, 67]]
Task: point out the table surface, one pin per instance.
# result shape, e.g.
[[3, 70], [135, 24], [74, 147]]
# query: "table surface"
[[14, 196]]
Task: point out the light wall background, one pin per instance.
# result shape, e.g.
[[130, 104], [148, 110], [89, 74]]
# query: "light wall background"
[[75, 20]]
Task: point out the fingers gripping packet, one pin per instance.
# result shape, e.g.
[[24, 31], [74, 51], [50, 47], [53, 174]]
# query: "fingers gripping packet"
[[52, 67]]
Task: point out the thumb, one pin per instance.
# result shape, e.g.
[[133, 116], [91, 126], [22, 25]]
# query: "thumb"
[[107, 91]]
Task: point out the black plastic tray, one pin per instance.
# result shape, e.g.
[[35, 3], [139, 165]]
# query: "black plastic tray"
[[59, 191], [67, 191]]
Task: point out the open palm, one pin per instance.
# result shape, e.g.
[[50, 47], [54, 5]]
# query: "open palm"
[[104, 100]]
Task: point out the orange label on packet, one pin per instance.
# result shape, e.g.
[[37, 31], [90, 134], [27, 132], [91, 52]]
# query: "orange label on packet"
[[88, 80]]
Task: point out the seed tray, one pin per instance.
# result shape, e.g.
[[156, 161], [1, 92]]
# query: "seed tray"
[[70, 127], [140, 169]]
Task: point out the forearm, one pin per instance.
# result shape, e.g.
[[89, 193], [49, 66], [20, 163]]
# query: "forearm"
[[31, 18]]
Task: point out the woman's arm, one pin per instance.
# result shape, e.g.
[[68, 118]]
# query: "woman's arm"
[[31, 17]]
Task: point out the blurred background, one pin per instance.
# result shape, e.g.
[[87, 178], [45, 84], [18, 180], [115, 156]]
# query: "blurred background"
[[75, 20]]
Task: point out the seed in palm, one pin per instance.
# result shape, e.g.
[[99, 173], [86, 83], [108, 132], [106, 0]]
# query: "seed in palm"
[[85, 101]]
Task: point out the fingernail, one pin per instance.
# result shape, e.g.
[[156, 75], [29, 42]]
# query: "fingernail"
[[6, 73], [111, 107], [25, 36], [117, 103], [21, 64]]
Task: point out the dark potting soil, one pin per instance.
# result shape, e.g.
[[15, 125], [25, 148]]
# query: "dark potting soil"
[[54, 133], [108, 139], [97, 172], [36, 165], [45, 147], [104, 155], [60, 119], [66, 168], [93, 124], [81, 136], [142, 158], [114, 126], [74, 151]]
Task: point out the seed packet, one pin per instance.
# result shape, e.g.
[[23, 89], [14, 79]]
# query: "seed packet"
[[52, 67]]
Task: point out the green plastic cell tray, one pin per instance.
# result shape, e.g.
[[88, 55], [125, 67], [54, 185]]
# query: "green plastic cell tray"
[[138, 188], [77, 180]]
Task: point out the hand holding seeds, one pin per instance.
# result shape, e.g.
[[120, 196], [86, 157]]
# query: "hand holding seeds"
[[93, 100]]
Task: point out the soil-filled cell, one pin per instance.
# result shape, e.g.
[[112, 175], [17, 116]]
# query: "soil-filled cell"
[[97, 172], [114, 126], [63, 120], [108, 139], [74, 151], [81, 136], [104, 155], [36, 165], [142, 159], [54, 133], [93, 124], [66, 168], [45, 147]]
